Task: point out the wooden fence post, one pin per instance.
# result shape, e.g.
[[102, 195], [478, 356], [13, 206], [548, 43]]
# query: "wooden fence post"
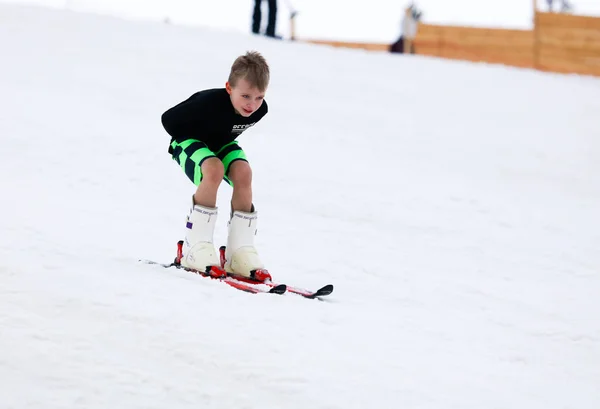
[[293, 14], [536, 37]]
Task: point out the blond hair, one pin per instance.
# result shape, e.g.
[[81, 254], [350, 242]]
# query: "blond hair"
[[253, 68]]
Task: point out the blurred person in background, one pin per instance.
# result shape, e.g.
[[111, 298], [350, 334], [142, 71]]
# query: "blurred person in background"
[[565, 6], [257, 15], [410, 25]]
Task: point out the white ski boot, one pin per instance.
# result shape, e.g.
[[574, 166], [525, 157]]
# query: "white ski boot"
[[198, 251], [241, 256]]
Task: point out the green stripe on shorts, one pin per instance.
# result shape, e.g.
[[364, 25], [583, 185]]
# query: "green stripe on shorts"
[[229, 154], [191, 153]]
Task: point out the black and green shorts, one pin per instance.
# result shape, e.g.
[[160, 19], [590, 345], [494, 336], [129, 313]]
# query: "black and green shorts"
[[191, 153]]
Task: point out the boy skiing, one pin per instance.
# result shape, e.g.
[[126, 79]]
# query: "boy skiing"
[[203, 131]]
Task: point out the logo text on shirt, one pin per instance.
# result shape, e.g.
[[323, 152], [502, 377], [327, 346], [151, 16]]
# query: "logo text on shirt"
[[238, 129]]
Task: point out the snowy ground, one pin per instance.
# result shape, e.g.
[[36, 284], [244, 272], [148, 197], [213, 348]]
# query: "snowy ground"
[[453, 205]]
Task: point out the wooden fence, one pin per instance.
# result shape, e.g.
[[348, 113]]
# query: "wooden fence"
[[569, 44], [559, 43], [511, 47]]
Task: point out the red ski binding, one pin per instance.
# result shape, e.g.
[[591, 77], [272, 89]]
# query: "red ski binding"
[[179, 255], [215, 272], [261, 275]]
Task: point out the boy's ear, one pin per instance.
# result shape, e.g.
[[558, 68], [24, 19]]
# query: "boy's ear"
[[228, 87]]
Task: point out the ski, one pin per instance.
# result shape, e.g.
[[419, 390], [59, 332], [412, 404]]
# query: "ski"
[[259, 282], [321, 292], [216, 273]]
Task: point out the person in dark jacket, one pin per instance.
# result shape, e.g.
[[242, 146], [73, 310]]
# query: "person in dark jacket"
[[410, 24], [272, 20]]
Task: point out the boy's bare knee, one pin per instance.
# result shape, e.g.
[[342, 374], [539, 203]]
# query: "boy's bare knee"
[[212, 171], [240, 173]]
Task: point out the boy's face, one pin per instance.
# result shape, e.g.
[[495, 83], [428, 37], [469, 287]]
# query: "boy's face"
[[245, 98]]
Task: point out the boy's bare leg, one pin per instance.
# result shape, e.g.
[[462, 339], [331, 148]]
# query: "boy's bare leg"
[[198, 251], [212, 175], [241, 255], [240, 174]]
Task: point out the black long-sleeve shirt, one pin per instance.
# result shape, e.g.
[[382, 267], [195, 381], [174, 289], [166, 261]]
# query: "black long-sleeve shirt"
[[209, 116]]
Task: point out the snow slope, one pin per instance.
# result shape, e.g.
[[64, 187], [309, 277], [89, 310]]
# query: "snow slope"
[[453, 205]]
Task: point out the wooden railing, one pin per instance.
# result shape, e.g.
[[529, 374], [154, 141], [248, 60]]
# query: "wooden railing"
[[559, 43], [511, 47], [569, 44]]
